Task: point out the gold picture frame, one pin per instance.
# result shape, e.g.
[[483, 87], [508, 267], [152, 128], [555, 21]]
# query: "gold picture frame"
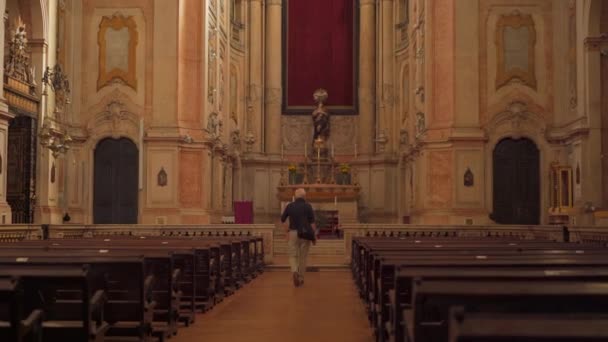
[[128, 77], [516, 21]]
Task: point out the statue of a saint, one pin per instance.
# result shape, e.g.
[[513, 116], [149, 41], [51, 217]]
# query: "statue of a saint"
[[213, 123], [320, 116]]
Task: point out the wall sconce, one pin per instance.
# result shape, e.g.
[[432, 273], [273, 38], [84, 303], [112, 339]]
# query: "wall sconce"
[[53, 137]]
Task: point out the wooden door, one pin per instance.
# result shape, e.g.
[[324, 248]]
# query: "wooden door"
[[115, 182], [516, 182], [21, 168]]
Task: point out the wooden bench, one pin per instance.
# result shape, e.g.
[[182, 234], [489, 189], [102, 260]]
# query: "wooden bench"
[[13, 325], [401, 296], [433, 300], [375, 262], [72, 311], [179, 274], [129, 307], [499, 327]]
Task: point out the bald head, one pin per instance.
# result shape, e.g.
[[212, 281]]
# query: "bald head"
[[300, 193]]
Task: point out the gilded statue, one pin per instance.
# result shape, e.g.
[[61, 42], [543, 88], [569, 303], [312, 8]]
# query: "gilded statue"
[[320, 116], [17, 64]]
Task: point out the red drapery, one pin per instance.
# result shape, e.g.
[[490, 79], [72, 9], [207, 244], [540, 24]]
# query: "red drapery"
[[320, 53]]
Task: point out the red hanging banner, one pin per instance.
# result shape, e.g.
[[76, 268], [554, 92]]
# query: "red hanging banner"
[[320, 51]]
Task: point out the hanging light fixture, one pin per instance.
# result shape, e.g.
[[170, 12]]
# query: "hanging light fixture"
[[53, 133]]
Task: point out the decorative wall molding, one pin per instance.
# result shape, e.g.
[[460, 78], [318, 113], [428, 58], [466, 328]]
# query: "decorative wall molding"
[[511, 35], [114, 69], [116, 116], [517, 120]]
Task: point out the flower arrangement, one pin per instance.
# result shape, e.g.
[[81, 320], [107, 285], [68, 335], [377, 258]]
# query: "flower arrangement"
[[344, 168], [292, 168]]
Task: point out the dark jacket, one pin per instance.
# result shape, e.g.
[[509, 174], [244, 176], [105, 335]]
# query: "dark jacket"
[[299, 213]]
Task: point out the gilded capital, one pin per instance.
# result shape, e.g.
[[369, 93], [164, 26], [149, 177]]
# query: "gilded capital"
[[363, 3], [274, 2]]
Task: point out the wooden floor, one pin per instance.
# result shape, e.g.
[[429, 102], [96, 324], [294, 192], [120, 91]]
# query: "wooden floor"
[[326, 308]]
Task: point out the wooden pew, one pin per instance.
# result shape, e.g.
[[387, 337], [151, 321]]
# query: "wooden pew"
[[13, 325], [433, 300], [379, 282], [158, 263], [228, 263], [497, 327], [129, 307], [405, 278], [175, 296], [378, 305], [72, 310]]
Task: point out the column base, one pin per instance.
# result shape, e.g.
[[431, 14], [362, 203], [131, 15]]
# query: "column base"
[[48, 215], [6, 214]]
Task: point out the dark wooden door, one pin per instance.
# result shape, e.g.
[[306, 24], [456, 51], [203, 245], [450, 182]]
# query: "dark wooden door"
[[21, 168], [115, 182], [516, 182]]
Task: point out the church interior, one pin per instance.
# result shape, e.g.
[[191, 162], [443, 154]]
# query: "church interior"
[[455, 154]]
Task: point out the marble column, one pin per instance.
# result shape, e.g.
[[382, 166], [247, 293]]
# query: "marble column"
[[367, 75], [273, 91], [3, 105], [5, 209], [387, 50], [189, 64], [255, 108]]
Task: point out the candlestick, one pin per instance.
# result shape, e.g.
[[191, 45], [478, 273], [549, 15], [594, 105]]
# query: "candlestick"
[[333, 151], [293, 198], [282, 151], [305, 150], [335, 201], [355, 151]]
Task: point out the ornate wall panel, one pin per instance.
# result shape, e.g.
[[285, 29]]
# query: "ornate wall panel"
[[190, 178], [439, 178], [117, 39], [516, 44]]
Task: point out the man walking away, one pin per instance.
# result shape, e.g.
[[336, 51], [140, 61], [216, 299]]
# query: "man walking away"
[[300, 214]]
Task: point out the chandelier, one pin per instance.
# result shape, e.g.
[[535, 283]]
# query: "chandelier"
[[53, 133]]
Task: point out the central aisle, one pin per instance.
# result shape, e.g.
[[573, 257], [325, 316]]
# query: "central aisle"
[[326, 308]]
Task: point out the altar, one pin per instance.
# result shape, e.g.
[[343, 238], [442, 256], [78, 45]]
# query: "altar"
[[341, 199], [331, 184]]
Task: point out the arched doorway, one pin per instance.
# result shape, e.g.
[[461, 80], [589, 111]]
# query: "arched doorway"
[[516, 182], [115, 182]]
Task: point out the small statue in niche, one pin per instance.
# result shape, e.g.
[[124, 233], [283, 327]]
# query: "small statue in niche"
[[320, 116], [420, 123], [161, 178], [53, 173], [235, 137], [578, 174], [213, 123], [404, 137], [469, 178]]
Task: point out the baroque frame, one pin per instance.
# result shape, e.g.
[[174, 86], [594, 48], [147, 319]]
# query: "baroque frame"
[[117, 22], [515, 20]]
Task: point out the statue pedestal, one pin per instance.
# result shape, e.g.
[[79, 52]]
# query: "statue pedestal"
[[328, 197]]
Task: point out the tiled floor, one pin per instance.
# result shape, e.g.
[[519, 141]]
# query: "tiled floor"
[[326, 308]]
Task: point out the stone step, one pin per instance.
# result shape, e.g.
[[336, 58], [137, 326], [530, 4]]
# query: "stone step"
[[323, 247]]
